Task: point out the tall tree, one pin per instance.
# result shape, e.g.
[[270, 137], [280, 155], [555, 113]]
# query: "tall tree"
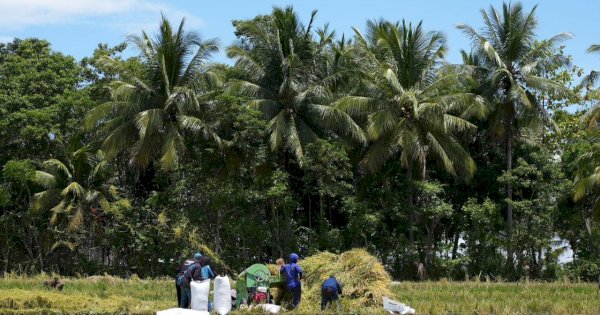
[[40, 104], [590, 83], [279, 67], [152, 110], [409, 105], [587, 176], [505, 46]]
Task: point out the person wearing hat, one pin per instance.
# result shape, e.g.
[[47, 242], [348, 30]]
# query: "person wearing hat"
[[293, 275], [186, 291], [329, 292]]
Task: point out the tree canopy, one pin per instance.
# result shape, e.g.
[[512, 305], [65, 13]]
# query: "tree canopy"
[[306, 141]]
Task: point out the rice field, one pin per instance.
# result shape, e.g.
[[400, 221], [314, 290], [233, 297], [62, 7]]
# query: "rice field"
[[109, 295], [445, 297]]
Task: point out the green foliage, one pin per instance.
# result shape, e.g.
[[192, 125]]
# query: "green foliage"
[[152, 109], [39, 99], [286, 82], [309, 142], [19, 172]]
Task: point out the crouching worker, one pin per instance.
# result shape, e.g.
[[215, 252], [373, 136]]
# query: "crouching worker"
[[293, 275], [329, 293]]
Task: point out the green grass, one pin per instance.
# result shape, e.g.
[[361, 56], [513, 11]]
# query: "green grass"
[[108, 295]]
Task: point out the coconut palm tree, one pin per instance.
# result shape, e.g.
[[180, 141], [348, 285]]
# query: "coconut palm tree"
[[411, 108], [74, 187], [589, 82], [281, 69], [505, 46], [154, 108], [587, 177]]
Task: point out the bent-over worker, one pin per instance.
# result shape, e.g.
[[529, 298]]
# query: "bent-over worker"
[[329, 293]]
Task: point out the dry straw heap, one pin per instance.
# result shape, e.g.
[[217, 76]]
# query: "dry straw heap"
[[363, 278]]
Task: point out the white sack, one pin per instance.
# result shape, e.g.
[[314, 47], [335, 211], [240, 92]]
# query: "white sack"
[[271, 308], [222, 301], [200, 292], [396, 307], [181, 311]]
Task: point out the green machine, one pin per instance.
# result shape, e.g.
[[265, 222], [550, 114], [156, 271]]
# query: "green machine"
[[254, 279]]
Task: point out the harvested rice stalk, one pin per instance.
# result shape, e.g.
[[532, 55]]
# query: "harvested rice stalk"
[[363, 278]]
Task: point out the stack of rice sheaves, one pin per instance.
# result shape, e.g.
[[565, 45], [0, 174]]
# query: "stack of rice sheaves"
[[363, 278]]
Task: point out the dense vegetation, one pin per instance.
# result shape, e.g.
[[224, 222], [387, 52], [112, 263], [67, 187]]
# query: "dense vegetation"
[[308, 141]]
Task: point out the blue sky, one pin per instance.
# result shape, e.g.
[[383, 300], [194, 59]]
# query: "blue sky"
[[75, 27]]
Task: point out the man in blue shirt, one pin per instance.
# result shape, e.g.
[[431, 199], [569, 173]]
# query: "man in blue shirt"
[[329, 292], [206, 272], [293, 275]]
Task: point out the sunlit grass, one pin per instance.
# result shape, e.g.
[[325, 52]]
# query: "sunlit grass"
[[109, 295], [499, 298]]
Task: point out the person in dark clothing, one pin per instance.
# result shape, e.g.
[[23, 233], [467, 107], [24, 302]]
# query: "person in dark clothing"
[[178, 277], [329, 293], [293, 275], [186, 293]]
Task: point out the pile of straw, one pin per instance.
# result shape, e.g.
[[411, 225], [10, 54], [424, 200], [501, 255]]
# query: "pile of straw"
[[363, 278]]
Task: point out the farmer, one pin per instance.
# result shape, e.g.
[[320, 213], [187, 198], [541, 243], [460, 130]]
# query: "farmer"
[[179, 276], [186, 291], [206, 271], [293, 275], [329, 293]]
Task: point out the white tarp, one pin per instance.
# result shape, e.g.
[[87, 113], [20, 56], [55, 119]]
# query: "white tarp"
[[181, 311], [396, 307], [222, 299], [200, 292]]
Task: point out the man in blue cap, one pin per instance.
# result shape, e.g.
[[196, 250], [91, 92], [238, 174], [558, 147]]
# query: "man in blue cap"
[[184, 281], [293, 275]]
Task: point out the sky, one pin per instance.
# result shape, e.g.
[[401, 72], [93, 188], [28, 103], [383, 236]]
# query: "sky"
[[76, 27]]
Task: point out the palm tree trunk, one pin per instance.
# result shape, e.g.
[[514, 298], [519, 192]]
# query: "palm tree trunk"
[[429, 244], [309, 213], [410, 202], [509, 197], [455, 243], [321, 222]]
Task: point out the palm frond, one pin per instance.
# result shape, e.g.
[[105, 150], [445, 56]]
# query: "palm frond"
[[547, 85], [73, 189], [46, 199], [331, 118], [356, 106], [197, 126], [483, 44], [45, 180], [57, 165]]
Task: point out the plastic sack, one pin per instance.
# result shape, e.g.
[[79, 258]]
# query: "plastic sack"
[[200, 292], [397, 307], [181, 311], [271, 308], [222, 300]]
